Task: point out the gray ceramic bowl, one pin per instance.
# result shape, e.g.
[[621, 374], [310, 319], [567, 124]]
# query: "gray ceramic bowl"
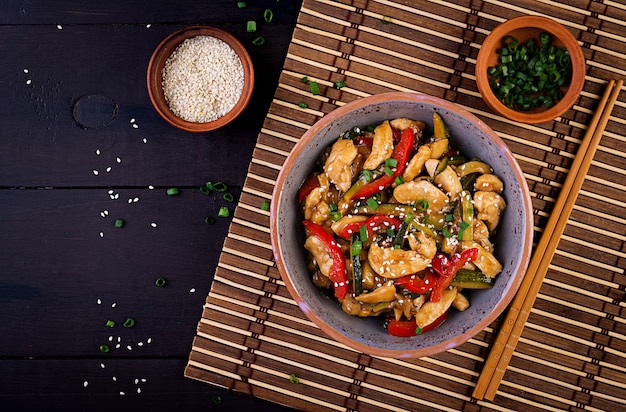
[[513, 242]]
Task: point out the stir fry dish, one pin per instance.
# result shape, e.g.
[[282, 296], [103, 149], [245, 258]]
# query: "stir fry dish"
[[399, 225]]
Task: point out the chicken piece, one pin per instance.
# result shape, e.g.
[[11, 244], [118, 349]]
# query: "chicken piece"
[[448, 180], [403, 123], [438, 148], [382, 146], [431, 311], [353, 307], [315, 208], [416, 164], [489, 183], [338, 165], [486, 261], [418, 190], [489, 206], [392, 263], [384, 293], [460, 302], [423, 244], [481, 234], [320, 253]]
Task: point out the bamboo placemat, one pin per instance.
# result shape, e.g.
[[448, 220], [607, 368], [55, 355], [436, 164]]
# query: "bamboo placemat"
[[572, 354]]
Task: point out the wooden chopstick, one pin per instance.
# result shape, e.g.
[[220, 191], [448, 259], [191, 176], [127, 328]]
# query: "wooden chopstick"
[[519, 311]]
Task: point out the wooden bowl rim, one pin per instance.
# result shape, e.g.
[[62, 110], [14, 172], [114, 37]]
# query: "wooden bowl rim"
[[154, 77], [561, 36]]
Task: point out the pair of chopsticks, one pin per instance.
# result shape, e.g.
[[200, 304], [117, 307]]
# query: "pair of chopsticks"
[[519, 311]]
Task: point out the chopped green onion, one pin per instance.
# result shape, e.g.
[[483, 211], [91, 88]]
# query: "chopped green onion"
[[315, 88], [160, 282], [372, 203], [223, 212], [205, 190], [340, 84], [391, 162], [251, 26], [303, 105], [268, 16], [304, 80], [173, 191], [209, 220], [363, 233], [258, 41], [388, 171], [110, 323], [418, 331], [241, 4], [265, 205], [104, 348], [446, 232], [332, 207], [228, 197], [335, 216], [129, 323], [449, 217], [293, 378], [386, 20], [216, 399], [367, 175], [398, 180], [119, 223]]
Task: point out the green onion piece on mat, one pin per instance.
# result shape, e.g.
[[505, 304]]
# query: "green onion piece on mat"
[[340, 84], [209, 220], [129, 323], [293, 378], [228, 197], [315, 88], [104, 348], [303, 105], [110, 323], [220, 186], [268, 15], [216, 399], [223, 212], [160, 282], [173, 191], [119, 223], [251, 26], [241, 4], [265, 205]]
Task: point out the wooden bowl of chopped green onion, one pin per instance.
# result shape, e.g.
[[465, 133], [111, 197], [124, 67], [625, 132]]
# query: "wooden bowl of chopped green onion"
[[530, 69], [200, 78]]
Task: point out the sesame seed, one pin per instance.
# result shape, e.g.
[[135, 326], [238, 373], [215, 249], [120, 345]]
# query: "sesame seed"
[[192, 290], [97, 152], [145, 140], [108, 169], [29, 81], [132, 120], [136, 381], [95, 172], [149, 340], [99, 301], [143, 380], [151, 187], [110, 338], [118, 346], [25, 70], [118, 160], [153, 224], [139, 343], [102, 365], [122, 393], [148, 25], [138, 390], [114, 379], [59, 27], [101, 234], [114, 305], [85, 384], [129, 347], [135, 126], [135, 200]]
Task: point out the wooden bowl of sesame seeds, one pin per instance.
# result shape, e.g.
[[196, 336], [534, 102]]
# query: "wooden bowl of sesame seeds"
[[200, 78]]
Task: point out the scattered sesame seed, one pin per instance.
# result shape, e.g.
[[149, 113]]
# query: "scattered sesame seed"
[[118, 160], [148, 25], [118, 346], [114, 379], [135, 126], [132, 120], [95, 172], [117, 196], [139, 343], [29, 81], [122, 393], [110, 338], [114, 305], [135, 200], [143, 380], [149, 340], [85, 384], [153, 224], [108, 169], [97, 152], [102, 365], [99, 301], [145, 140], [101, 234], [138, 390], [192, 290], [129, 347], [151, 187], [59, 27], [136, 381], [25, 70]]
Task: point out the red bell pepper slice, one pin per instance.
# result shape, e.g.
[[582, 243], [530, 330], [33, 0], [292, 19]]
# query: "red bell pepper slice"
[[401, 153], [450, 267], [373, 224], [337, 273], [363, 141], [307, 187], [406, 328], [415, 284]]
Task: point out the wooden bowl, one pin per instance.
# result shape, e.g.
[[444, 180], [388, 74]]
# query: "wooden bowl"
[[513, 240], [154, 77], [524, 28]]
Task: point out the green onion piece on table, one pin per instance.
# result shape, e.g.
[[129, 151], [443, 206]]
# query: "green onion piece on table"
[[129, 323], [160, 282], [268, 15], [223, 212], [119, 223]]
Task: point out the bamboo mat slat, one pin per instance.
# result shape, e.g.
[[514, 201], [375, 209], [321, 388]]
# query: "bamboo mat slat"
[[572, 355]]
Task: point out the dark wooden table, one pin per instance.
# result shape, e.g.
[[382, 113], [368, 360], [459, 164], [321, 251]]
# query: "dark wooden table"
[[81, 146]]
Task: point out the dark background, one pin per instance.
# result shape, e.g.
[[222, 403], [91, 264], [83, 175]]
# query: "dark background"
[[74, 100]]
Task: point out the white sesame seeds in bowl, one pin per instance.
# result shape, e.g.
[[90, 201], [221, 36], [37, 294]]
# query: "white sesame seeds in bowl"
[[200, 78]]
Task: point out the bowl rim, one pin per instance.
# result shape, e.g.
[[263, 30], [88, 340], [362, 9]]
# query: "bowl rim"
[[564, 36], [154, 76], [303, 304]]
